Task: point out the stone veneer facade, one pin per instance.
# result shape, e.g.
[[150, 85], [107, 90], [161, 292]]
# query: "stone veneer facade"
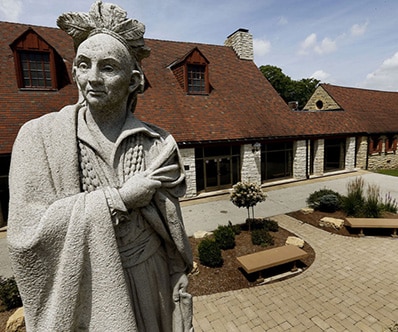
[[251, 161]]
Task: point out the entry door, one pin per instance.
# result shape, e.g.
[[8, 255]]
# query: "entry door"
[[218, 172]]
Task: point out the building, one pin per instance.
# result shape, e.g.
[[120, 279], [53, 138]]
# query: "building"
[[228, 121], [374, 119]]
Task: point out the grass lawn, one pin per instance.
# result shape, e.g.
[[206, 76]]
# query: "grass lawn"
[[392, 172]]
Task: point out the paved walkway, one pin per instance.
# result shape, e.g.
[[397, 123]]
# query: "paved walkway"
[[351, 286]]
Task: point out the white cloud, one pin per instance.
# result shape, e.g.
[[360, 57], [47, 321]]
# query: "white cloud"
[[311, 44], [10, 9], [308, 44], [358, 29], [261, 47], [329, 45], [282, 20], [385, 77], [320, 75], [326, 46]]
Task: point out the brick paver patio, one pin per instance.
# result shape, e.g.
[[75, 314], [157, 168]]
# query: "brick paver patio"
[[351, 286]]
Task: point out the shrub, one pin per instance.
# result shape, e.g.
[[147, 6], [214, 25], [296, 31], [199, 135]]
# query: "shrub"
[[389, 204], [329, 203], [314, 199], [210, 253], [9, 294], [354, 201], [236, 228], [372, 207], [225, 237], [271, 225], [261, 237], [262, 223]]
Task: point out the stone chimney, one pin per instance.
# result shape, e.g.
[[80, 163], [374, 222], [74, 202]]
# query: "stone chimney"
[[241, 42]]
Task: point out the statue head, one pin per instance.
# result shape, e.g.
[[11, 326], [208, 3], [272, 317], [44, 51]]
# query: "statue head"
[[109, 21]]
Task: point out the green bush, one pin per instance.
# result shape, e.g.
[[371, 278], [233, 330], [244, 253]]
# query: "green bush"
[[261, 237], [236, 228], [9, 294], [262, 223], [372, 207], [389, 204], [354, 202], [329, 203], [271, 225], [225, 237], [210, 253], [314, 199]]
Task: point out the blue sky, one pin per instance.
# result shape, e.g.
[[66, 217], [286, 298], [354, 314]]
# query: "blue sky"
[[342, 42]]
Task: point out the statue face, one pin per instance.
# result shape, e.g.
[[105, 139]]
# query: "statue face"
[[103, 70]]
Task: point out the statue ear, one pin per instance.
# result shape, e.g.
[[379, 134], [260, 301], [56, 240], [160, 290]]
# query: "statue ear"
[[135, 81]]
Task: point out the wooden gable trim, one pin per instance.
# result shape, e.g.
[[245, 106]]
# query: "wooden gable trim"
[[30, 41], [180, 68]]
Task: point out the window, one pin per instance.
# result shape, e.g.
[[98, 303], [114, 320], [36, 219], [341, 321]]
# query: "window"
[[192, 73], [217, 167], [390, 144], [276, 160], [196, 79], [334, 154], [36, 71], [37, 64], [375, 144]]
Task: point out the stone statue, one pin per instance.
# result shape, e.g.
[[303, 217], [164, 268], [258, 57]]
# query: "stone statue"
[[96, 237]]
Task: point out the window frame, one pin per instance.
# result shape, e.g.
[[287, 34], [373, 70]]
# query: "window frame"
[[31, 43], [21, 76], [204, 82]]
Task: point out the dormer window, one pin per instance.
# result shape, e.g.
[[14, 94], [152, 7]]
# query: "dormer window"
[[37, 64], [35, 67], [192, 73], [196, 79]]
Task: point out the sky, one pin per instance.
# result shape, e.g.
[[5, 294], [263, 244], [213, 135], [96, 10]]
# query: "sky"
[[341, 42]]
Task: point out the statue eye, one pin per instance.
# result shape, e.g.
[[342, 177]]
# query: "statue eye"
[[108, 68], [82, 65]]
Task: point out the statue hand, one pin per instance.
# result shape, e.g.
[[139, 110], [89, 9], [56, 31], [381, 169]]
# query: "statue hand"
[[138, 191], [179, 282]]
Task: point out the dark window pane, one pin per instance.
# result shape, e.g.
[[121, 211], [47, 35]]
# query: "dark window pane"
[[196, 79], [36, 69]]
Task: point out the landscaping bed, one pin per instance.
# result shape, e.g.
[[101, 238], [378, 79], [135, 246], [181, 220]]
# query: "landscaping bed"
[[230, 276]]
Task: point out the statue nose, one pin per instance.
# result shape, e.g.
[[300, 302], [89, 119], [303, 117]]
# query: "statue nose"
[[94, 75]]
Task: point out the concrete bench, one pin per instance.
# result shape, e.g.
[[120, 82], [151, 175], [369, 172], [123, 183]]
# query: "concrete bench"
[[262, 260], [362, 223]]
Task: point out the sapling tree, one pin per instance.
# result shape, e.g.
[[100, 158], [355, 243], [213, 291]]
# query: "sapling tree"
[[247, 194]]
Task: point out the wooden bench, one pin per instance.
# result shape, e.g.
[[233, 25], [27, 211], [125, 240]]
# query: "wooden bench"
[[271, 257], [362, 223]]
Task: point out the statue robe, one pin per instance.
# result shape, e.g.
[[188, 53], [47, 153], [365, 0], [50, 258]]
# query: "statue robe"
[[61, 240]]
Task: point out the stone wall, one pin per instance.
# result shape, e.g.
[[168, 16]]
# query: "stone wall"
[[321, 101], [350, 154], [251, 164], [188, 158], [299, 159], [382, 161], [362, 152], [319, 147]]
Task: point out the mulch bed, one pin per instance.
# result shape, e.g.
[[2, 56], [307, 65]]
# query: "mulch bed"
[[230, 276]]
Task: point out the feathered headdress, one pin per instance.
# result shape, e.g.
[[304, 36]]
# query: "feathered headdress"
[[106, 18]]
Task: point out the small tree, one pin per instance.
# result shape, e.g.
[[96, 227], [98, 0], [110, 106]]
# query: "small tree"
[[246, 194]]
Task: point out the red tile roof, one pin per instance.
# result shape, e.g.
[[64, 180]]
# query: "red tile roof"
[[241, 106], [374, 111], [17, 106]]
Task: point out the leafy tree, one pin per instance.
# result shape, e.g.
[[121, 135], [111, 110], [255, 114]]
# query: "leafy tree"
[[288, 89], [247, 194]]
